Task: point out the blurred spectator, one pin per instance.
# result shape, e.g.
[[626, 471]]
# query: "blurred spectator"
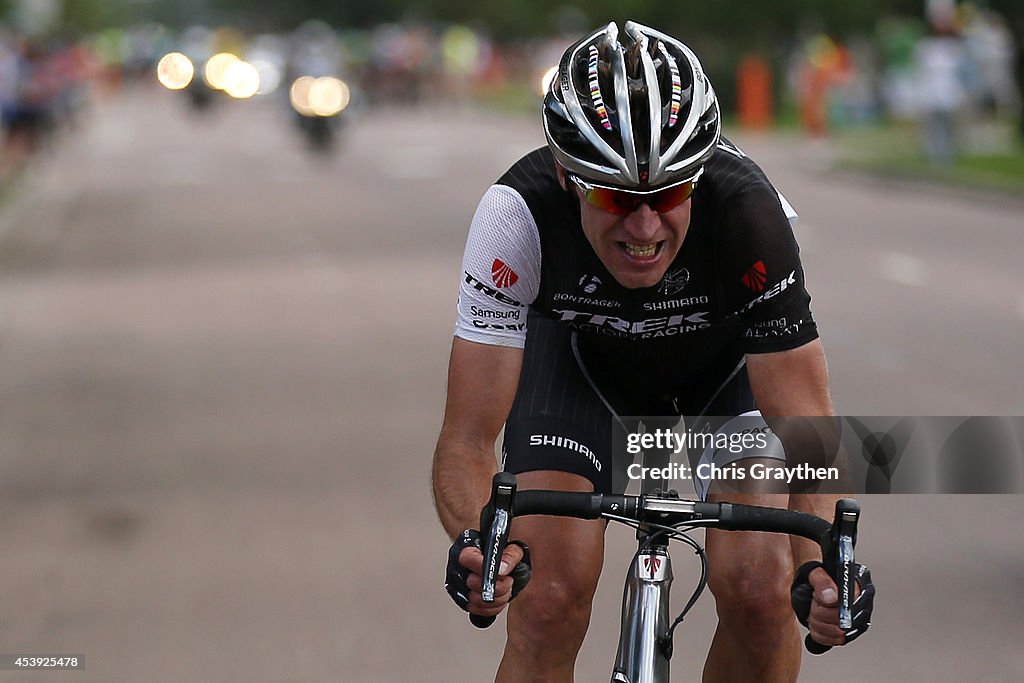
[[898, 37], [992, 87], [857, 96], [315, 51], [990, 49], [823, 65], [27, 107], [402, 64], [941, 67], [754, 105], [465, 55], [9, 65], [42, 86], [73, 68], [111, 49]]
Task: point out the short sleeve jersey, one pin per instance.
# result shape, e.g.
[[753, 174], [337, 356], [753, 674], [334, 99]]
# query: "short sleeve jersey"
[[735, 287]]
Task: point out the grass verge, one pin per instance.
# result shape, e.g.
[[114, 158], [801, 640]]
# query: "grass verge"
[[989, 160]]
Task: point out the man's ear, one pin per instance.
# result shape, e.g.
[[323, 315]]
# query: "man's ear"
[[562, 180]]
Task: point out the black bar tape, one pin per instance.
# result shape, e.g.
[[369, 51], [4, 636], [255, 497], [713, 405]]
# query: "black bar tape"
[[558, 503], [734, 517]]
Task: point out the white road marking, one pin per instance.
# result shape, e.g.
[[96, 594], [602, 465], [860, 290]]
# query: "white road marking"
[[903, 269]]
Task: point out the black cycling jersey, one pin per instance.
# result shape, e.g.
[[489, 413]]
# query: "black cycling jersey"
[[735, 287]]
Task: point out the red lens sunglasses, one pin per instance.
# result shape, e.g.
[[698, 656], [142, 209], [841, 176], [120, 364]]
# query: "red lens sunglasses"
[[624, 202]]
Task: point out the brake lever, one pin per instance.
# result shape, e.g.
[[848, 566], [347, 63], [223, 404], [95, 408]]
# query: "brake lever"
[[496, 517], [838, 559]]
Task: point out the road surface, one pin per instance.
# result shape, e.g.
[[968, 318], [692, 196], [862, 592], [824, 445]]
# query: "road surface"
[[222, 366]]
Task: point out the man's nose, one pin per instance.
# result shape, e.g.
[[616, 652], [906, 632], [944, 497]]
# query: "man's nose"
[[643, 223]]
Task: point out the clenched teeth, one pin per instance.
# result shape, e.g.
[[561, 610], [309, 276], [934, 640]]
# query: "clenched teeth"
[[640, 250]]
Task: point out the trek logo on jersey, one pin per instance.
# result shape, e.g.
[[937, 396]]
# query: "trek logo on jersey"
[[502, 275], [489, 291], [567, 443], [755, 277], [642, 329], [776, 289]]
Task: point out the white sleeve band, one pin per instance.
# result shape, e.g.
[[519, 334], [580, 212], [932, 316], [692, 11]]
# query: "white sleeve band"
[[791, 213], [500, 270]]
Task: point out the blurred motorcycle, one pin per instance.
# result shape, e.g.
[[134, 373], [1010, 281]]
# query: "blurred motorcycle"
[[318, 104], [200, 95]]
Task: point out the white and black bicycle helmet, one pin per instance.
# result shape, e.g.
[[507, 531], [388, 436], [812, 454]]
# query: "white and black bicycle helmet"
[[638, 114]]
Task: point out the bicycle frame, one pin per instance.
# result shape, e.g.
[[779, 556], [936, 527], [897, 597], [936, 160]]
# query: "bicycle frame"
[[641, 656]]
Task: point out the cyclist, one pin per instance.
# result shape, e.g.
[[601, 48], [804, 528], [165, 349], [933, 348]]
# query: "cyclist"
[[639, 264]]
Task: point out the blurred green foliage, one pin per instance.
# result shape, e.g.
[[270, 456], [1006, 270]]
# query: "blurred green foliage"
[[721, 31], [725, 23], [1001, 173], [739, 21]]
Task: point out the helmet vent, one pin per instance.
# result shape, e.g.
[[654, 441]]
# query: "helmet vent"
[[595, 88], [677, 87], [632, 113]]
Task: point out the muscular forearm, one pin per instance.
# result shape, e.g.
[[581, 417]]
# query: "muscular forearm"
[[482, 383], [461, 481]]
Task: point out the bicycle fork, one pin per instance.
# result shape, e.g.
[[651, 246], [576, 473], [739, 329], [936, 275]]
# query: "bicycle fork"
[[642, 657]]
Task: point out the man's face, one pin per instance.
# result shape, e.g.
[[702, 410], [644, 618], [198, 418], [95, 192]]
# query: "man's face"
[[637, 248]]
